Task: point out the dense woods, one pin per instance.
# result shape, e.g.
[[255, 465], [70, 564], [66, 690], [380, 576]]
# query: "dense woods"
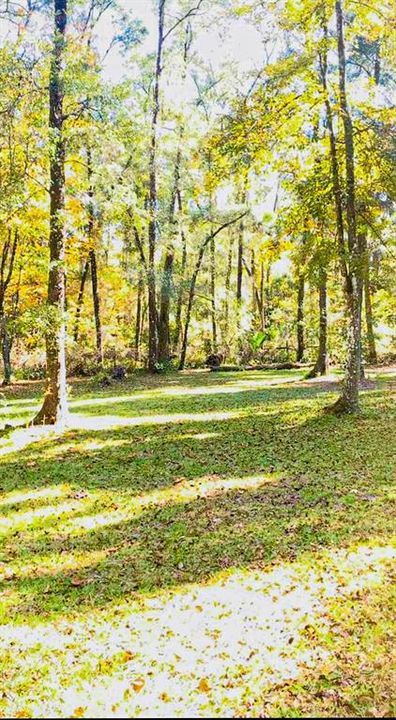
[[194, 205]]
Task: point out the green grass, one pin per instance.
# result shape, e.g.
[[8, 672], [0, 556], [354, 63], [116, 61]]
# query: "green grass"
[[198, 545]]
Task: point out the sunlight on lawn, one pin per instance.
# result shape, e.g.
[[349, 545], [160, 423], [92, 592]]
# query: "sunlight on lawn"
[[197, 436], [103, 422], [19, 519], [31, 405], [207, 650], [198, 555], [21, 438], [229, 389], [184, 491], [19, 497], [100, 422], [41, 566]]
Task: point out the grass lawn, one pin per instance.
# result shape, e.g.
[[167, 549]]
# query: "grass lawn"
[[199, 545]]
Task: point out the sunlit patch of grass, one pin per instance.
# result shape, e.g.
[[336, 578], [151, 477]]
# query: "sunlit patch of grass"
[[18, 521], [39, 566], [31, 496], [220, 649], [184, 491], [202, 544], [197, 436], [100, 422], [22, 437]]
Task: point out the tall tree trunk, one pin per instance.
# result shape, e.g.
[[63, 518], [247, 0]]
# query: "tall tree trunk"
[[372, 350], [54, 408], [240, 251], [255, 293], [94, 265], [138, 317], [163, 320], [321, 364], [227, 287], [241, 231], [167, 274], [96, 305], [80, 300], [153, 200], [164, 339], [190, 301], [349, 399], [180, 297], [300, 318], [268, 296], [6, 344], [377, 63], [213, 294], [335, 169], [143, 323], [262, 305], [7, 262]]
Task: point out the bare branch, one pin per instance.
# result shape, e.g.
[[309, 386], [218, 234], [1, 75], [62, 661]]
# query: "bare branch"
[[193, 11], [222, 227]]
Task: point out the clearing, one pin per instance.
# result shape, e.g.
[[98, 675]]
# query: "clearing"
[[199, 545]]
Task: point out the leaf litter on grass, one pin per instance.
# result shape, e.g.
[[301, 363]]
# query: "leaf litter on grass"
[[241, 570]]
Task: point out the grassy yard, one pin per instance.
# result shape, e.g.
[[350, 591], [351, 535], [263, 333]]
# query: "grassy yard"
[[199, 545]]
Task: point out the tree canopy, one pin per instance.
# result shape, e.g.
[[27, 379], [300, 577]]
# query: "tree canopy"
[[199, 197]]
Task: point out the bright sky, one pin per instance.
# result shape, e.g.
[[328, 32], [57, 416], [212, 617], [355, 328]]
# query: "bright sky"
[[216, 41]]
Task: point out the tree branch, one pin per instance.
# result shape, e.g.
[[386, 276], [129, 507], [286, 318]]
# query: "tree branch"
[[225, 225], [11, 260], [178, 22]]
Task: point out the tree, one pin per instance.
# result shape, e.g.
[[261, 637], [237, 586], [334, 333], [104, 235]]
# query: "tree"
[[7, 264], [54, 408], [349, 399], [300, 318], [157, 160], [193, 282], [175, 209]]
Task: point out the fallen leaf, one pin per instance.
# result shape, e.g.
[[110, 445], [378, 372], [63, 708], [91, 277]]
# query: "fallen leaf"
[[203, 685], [77, 582], [79, 712], [138, 684], [127, 656], [6, 573]]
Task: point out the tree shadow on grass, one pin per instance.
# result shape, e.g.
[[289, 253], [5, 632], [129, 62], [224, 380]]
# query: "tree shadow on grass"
[[323, 484], [174, 503], [31, 392], [294, 439], [159, 509], [192, 399], [206, 398]]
